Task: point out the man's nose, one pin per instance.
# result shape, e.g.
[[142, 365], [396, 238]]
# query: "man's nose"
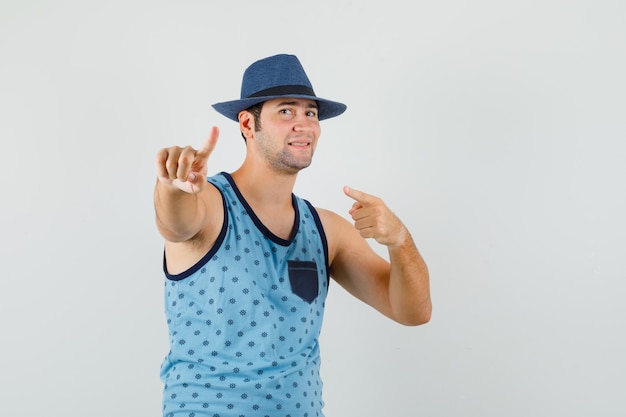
[[303, 123]]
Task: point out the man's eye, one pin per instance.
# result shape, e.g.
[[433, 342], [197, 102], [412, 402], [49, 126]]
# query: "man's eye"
[[311, 113], [285, 111]]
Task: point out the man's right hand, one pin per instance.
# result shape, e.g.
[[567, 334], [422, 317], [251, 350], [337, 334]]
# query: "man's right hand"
[[186, 168]]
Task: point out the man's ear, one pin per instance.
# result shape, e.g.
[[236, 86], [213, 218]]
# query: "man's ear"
[[246, 124]]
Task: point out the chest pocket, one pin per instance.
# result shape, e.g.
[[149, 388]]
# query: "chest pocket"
[[303, 279]]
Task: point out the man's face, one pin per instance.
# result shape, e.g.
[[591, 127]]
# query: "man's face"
[[288, 134]]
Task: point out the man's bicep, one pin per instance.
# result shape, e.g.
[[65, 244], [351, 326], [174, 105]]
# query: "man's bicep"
[[357, 267]]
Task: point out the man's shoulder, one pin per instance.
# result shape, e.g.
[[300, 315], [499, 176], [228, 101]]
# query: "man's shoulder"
[[330, 220]]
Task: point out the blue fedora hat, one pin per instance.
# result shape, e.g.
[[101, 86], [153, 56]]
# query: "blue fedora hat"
[[273, 77]]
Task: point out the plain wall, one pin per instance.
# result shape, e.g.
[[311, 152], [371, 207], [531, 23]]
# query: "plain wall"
[[495, 129]]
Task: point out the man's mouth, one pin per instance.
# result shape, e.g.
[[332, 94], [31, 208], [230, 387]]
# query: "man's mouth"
[[300, 144]]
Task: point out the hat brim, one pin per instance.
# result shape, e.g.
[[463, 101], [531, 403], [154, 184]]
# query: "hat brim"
[[326, 108]]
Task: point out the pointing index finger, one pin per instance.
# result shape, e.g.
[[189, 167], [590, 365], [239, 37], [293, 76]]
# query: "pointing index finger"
[[357, 195], [209, 144]]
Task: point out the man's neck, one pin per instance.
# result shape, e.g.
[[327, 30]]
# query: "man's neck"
[[264, 185]]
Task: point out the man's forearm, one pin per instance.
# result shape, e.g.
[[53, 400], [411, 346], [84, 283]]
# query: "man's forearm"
[[178, 214], [409, 285]]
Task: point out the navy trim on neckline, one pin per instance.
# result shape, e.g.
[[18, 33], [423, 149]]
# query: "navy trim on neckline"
[[257, 222]]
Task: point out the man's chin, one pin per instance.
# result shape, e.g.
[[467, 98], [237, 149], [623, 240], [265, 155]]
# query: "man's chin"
[[292, 169]]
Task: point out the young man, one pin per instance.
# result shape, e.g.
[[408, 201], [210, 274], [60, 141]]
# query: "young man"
[[247, 263]]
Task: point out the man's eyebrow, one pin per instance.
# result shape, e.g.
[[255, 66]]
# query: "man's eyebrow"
[[311, 105]]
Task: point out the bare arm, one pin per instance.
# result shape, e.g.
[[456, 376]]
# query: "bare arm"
[[181, 195], [400, 288]]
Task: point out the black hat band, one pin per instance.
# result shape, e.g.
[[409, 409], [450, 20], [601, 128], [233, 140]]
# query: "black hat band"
[[284, 90]]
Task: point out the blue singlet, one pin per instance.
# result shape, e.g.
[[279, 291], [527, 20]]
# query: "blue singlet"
[[244, 321]]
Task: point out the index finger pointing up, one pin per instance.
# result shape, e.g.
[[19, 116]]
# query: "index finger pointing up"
[[209, 143]]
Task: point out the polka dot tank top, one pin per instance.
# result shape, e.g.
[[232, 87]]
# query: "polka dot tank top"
[[244, 322]]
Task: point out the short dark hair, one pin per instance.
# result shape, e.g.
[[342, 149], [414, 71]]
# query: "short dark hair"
[[256, 113]]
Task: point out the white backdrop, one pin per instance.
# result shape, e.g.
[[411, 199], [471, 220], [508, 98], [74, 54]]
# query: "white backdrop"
[[495, 129]]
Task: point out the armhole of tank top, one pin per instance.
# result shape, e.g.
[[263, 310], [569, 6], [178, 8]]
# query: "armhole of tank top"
[[218, 243], [320, 229]]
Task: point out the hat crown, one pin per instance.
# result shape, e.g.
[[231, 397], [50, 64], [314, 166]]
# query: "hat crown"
[[273, 74], [273, 77]]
